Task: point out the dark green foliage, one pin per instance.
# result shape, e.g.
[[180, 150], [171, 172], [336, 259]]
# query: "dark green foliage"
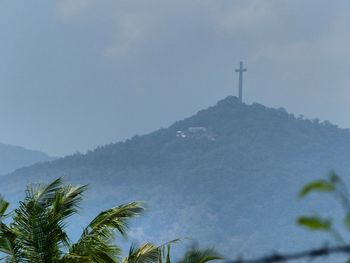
[[37, 232]]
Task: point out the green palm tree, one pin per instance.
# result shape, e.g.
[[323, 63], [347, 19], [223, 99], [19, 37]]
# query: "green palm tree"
[[37, 233]]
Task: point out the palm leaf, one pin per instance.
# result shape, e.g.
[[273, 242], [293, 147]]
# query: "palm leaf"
[[67, 201], [116, 218], [146, 253], [3, 206], [200, 256], [44, 194], [8, 243], [95, 242]]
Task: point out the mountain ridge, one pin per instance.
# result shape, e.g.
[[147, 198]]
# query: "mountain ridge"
[[216, 176], [196, 121], [13, 157]]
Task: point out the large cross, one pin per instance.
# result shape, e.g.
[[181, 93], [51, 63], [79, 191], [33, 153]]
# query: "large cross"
[[240, 91]]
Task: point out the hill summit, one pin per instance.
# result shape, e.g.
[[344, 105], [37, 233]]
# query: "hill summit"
[[227, 176]]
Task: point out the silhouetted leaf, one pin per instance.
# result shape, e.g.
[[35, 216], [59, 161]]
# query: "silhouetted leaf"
[[315, 223], [316, 186]]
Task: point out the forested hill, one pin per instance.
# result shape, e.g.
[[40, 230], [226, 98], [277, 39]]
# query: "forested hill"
[[238, 132], [14, 157], [227, 176]]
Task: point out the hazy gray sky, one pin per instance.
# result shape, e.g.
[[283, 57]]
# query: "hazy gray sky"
[[75, 74]]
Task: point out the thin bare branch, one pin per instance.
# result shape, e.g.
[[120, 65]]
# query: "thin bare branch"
[[310, 254]]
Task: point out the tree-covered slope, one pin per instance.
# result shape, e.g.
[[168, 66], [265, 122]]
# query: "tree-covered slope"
[[227, 176]]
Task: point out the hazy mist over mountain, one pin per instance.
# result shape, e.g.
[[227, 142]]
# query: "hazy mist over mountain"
[[141, 101], [228, 177]]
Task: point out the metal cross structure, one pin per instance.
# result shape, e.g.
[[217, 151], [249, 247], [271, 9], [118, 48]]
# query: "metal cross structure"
[[240, 88]]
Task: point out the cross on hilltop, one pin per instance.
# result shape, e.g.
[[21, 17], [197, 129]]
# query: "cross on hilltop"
[[240, 88]]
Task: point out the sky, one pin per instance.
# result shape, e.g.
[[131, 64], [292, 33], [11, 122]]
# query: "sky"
[[75, 74]]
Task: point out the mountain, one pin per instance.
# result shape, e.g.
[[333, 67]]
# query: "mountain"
[[227, 176], [14, 157]]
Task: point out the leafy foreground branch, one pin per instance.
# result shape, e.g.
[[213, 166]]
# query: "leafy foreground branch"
[[37, 231], [336, 187]]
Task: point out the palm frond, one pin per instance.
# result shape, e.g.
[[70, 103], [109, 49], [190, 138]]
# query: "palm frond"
[[3, 206], [195, 255], [44, 194], [93, 248], [167, 259], [146, 253], [67, 201], [37, 234], [95, 241], [116, 218], [149, 252], [8, 243]]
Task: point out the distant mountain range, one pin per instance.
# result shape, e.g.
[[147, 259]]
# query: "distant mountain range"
[[14, 157], [227, 176]]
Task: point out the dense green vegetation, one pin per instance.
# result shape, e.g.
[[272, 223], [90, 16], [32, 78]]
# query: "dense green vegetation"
[[37, 231]]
